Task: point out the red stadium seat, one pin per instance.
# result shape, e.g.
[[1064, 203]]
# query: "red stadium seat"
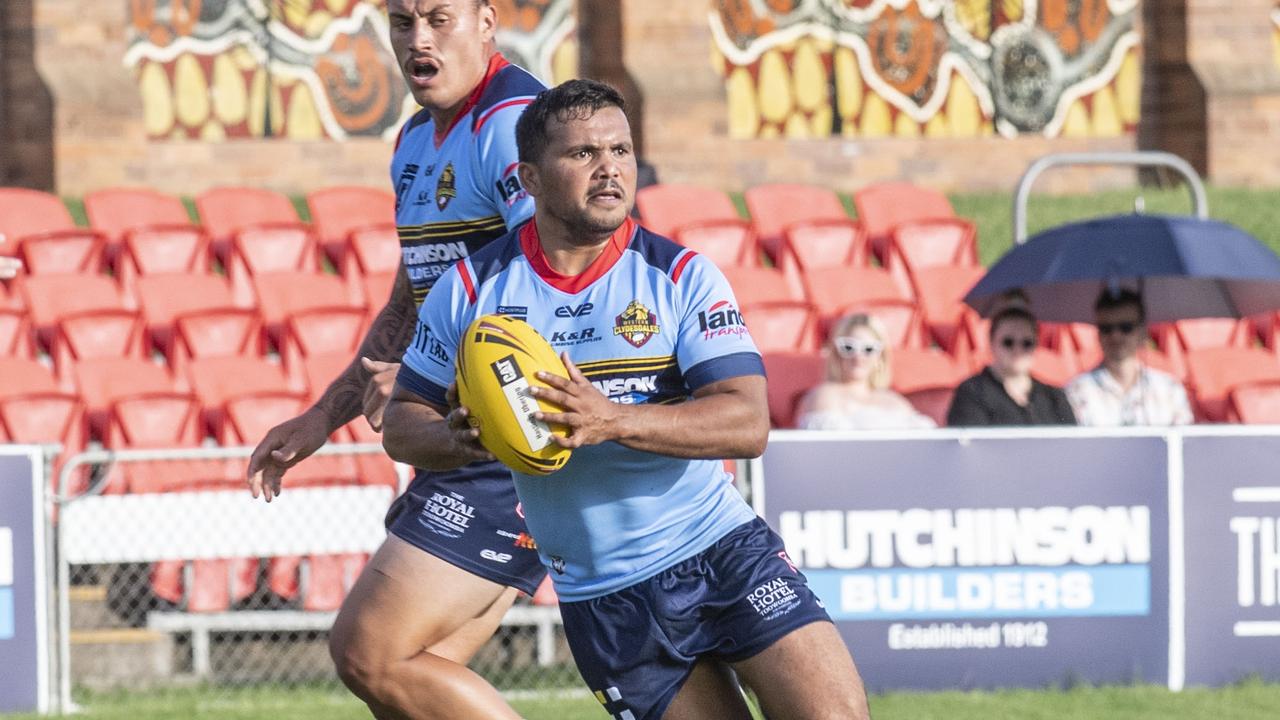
[[50, 298], [1256, 403], [1202, 333], [320, 331], [1054, 367], [162, 298], [371, 251], [157, 421], [226, 211], [754, 285], [774, 208], [833, 288], [665, 208], [783, 325], [37, 227], [932, 402], [723, 242], [216, 332], [337, 212], [883, 206], [940, 291], [219, 379], [918, 245], [790, 376], [24, 375], [15, 333], [95, 334], [825, 244], [1213, 372], [48, 416], [281, 295], [919, 369], [265, 251], [1174, 365], [150, 231], [102, 381], [377, 291]]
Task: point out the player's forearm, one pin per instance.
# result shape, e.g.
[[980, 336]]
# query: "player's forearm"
[[723, 425], [417, 435], [388, 335]]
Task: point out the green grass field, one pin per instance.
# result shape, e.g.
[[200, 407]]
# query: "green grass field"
[[1244, 701]]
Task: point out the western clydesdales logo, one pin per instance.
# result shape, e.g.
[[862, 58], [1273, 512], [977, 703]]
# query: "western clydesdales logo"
[[636, 324], [445, 187]]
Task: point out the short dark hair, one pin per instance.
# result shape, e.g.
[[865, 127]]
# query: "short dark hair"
[[1013, 313], [1110, 300], [571, 100]]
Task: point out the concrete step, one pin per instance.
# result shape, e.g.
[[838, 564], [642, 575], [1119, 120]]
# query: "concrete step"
[[131, 658]]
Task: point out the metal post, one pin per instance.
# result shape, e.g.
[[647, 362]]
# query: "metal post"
[[1144, 158]]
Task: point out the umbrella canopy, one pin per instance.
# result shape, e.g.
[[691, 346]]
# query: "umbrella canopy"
[[1184, 267]]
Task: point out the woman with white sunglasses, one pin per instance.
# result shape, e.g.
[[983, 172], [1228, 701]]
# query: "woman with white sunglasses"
[[856, 394], [1004, 393]]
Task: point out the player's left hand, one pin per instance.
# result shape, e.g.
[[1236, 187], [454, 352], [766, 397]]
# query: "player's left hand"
[[590, 416]]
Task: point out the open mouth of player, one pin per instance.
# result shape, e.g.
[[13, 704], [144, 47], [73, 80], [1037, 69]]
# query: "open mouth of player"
[[422, 72], [608, 196]]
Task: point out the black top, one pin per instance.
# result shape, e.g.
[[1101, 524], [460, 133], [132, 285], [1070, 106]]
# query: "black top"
[[982, 400]]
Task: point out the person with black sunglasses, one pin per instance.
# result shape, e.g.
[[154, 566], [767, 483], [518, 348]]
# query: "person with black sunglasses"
[[1005, 393], [1122, 390]]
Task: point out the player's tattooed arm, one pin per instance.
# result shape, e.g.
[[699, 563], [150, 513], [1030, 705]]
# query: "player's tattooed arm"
[[366, 383]]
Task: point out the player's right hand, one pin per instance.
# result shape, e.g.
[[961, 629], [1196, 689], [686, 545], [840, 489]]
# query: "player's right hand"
[[285, 445]]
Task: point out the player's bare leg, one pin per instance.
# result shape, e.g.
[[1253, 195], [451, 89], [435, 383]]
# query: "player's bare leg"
[[710, 693], [407, 600], [807, 675]]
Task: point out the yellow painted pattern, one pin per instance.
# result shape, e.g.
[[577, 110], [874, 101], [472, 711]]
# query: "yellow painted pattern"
[[793, 81]]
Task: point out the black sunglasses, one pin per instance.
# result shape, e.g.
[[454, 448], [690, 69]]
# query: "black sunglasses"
[[1011, 343], [1124, 328]]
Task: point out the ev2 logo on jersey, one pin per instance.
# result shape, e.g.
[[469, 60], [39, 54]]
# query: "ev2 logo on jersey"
[[566, 311]]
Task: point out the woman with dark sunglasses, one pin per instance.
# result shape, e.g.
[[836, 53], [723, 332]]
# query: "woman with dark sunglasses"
[[1005, 393], [856, 394]]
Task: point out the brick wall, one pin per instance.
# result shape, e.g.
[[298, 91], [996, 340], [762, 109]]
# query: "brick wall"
[[99, 133], [99, 138]]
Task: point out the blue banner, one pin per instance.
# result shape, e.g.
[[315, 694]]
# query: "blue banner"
[[23, 652], [1232, 536], [974, 561]]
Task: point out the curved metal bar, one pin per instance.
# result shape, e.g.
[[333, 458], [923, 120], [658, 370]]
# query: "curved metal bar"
[[1143, 158]]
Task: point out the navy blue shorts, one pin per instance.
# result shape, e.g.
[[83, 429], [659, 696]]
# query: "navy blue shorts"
[[636, 647], [470, 518]]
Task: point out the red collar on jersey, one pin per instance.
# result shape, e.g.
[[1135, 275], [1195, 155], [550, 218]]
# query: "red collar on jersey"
[[496, 63], [532, 248]]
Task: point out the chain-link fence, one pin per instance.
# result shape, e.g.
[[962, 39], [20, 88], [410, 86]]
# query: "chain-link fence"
[[169, 575]]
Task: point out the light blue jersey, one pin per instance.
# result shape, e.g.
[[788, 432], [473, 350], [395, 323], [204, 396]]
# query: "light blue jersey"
[[648, 322], [456, 187]]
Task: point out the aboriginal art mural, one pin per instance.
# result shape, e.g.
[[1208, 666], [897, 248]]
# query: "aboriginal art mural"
[[931, 68], [217, 70], [1275, 31]]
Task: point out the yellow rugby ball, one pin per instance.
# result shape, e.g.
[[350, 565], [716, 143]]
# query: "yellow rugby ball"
[[497, 359]]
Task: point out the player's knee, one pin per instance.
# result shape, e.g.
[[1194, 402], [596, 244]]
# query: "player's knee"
[[359, 669]]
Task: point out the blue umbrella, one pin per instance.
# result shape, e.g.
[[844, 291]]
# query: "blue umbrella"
[[1184, 267]]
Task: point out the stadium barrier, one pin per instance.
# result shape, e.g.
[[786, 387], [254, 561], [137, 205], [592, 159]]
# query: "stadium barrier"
[[1004, 558], [949, 559], [197, 583]]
